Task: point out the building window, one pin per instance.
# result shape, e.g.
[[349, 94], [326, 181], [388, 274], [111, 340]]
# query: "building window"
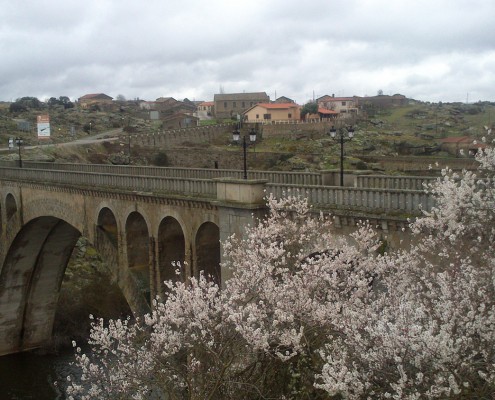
[[234, 105], [343, 103], [243, 104], [224, 104], [290, 115], [257, 116], [267, 116], [251, 104]]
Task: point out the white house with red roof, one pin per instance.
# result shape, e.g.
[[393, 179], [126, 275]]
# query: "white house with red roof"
[[207, 106]]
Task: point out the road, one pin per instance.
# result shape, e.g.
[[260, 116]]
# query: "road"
[[100, 137]]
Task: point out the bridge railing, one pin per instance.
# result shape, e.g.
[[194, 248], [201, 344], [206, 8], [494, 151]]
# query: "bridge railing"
[[203, 188], [393, 182], [297, 178], [386, 201]]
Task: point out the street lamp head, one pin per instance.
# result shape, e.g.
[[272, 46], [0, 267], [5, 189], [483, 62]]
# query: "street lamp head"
[[333, 132], [252, 135], [350, 132], [236, 135]]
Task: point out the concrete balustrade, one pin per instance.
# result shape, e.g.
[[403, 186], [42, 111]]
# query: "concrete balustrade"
[[321, 178], [186, 187], [387, 201], [297, 178], [393, 182], [392, 196]]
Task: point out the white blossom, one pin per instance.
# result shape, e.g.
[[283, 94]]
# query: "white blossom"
[[306, 314]]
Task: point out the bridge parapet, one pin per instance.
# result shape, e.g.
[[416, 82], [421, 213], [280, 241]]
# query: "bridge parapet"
[[374, 201], [202, 188], [324, 178], [393, 182], [300, 178]]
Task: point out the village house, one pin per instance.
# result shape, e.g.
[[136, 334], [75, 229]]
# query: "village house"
[[323, 114], [233, 104], [341, 105], [283, 99], [273, 112], [169, 106], [99, 99], [165, 107], [165, 102], [205, 110], [206, 106], [179, 120]]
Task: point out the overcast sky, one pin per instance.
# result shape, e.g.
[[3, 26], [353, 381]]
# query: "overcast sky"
[[430, 50]]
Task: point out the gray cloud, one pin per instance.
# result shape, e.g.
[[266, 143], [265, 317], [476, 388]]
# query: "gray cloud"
[[433, 51]]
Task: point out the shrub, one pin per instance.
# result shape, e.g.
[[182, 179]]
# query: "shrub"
[[160, 159]]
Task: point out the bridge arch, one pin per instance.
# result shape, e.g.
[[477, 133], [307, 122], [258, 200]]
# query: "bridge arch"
[[138, 251], [171, 246], [107, 225], [207, 251], [30, 282], [10, 206]]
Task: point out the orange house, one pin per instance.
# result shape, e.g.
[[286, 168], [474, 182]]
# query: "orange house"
[[273, 112]]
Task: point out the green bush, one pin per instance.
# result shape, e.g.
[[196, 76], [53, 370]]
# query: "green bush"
[[361, 165], [160, 159]]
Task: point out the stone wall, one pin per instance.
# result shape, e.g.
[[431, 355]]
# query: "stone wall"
[[296, 130], [421, 165]]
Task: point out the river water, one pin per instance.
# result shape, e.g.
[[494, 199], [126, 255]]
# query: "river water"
[[32, 375]]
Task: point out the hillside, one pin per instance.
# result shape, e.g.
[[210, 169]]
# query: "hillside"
[[383, 138]]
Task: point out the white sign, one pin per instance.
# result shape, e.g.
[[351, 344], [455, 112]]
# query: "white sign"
[[43, 126]]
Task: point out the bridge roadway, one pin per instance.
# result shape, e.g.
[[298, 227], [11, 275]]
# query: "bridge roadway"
[[141, 219]]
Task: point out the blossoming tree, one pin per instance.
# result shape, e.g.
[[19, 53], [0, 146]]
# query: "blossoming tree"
[[306, 315]]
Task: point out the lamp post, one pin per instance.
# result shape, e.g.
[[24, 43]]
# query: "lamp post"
[[339, 136], [129, 146], [236, 134], [18, 142]]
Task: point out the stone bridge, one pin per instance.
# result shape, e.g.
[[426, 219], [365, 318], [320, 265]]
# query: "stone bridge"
[[141, 219]]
